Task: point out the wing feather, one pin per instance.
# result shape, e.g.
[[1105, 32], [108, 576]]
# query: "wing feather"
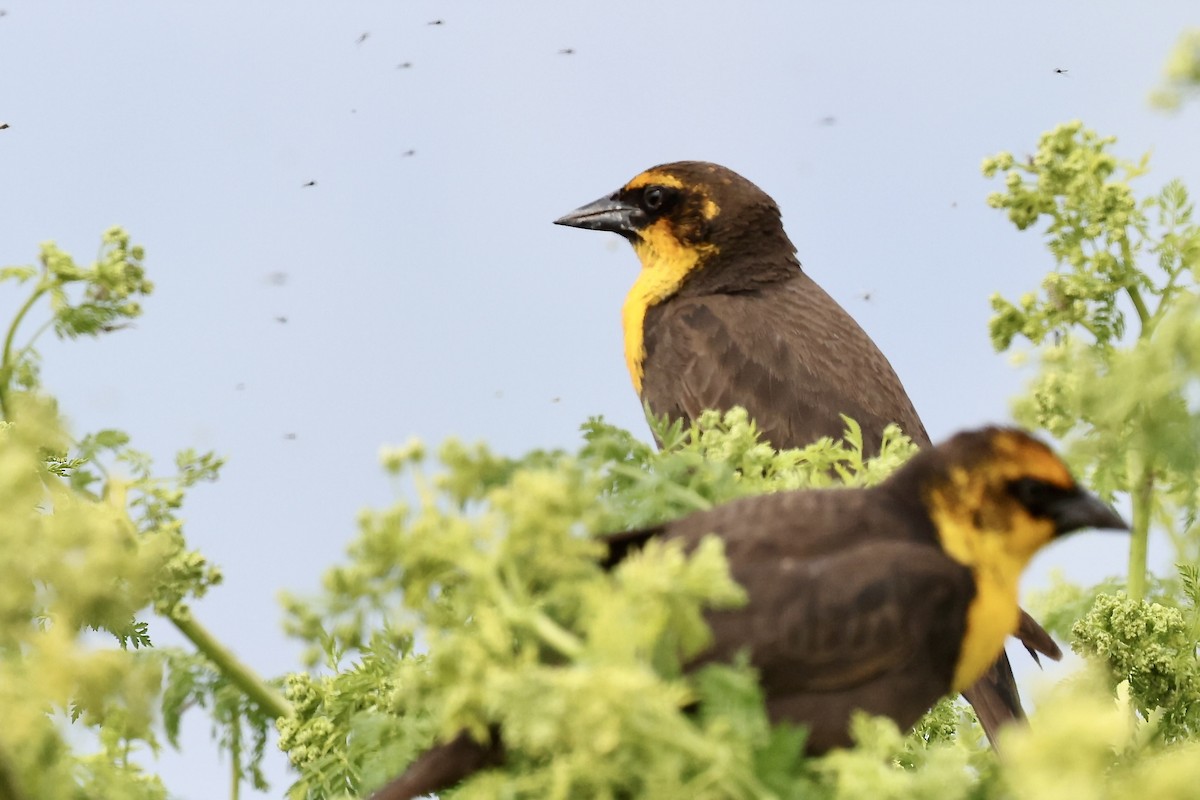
[[788, 353]]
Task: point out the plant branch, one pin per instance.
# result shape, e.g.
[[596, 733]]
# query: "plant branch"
[[240, 675], [550, 632], [6, 365], [235, 752], [1143, 312], [45, 326], [1142, 496], [1135, 294], [1169, 290]]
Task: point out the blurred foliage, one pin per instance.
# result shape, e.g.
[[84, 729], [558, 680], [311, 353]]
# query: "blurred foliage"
[[85, 301], [1116, 332], [1088, 741], [90, 541], [1181, 75], [1123, 398]]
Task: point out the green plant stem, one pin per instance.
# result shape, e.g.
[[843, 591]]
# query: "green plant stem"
[[240, 675], [1143, 312], [1143, 490], [550, 632], [1143, 495], [556, 636], [6, 365], [1135, 294], [45, 326], [235, 752], [1164, 298]]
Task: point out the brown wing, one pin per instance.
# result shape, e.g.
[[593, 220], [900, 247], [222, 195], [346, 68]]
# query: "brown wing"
[[839, 622], [836, 579], [994, 698], [787, 352]]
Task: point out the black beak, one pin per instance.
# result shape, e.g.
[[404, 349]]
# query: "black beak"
[[1083, 510], [606, 214]]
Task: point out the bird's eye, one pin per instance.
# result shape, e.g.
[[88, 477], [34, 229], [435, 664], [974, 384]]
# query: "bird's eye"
[[653, 198], [1038, 496]]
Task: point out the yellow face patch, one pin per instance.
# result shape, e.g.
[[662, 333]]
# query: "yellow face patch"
[[984, 528], [995, 543], [666, 263]]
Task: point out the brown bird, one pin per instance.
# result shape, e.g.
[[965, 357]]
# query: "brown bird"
[[722, 315], [882, 599]]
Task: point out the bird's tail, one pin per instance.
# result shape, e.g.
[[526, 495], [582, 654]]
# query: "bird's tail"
[[994, 696], [1036, 640], [995, 699]]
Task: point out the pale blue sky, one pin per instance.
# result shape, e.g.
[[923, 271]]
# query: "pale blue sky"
[[430, 295]]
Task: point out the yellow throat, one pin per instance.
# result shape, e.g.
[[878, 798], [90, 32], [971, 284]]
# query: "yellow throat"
[[996, 547], [665, 266], [991, 618]]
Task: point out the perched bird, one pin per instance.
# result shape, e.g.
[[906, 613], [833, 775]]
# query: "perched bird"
[[722, 315], [882, 599]]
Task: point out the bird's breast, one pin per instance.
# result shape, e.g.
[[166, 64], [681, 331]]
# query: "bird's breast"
[[665, 266]]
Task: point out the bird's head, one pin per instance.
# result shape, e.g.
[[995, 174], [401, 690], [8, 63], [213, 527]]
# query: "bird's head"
[[685, 214], [1000, 491]]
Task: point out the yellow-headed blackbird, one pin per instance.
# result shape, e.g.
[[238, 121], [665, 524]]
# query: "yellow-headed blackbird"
[[722, 315], [882, 599]]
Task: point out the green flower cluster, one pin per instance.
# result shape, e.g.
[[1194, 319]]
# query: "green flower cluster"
[[90, 541], [1181, 73]]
